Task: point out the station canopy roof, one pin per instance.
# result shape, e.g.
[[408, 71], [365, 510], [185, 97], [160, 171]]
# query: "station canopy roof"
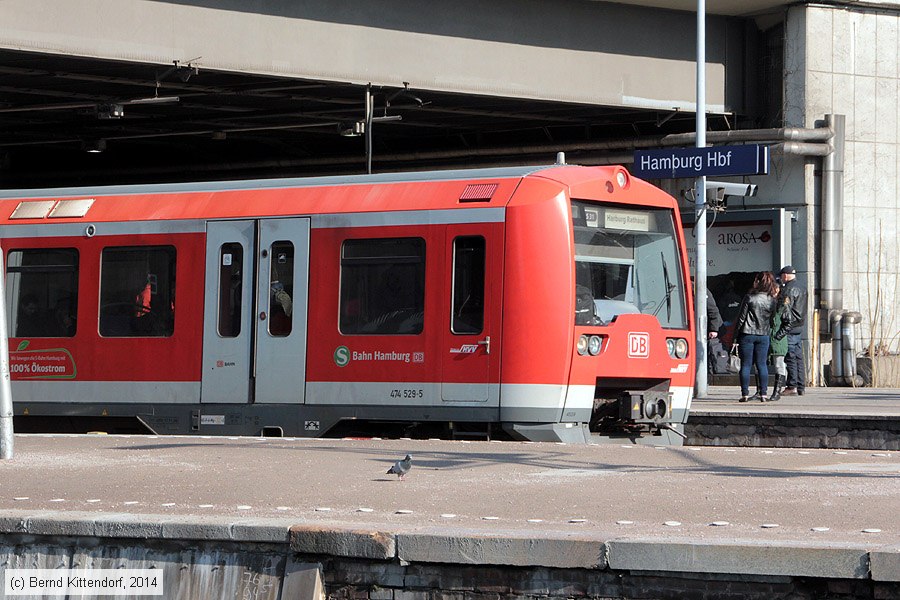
[[181, 122]]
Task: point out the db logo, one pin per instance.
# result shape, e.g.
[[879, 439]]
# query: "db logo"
[[639, 345]]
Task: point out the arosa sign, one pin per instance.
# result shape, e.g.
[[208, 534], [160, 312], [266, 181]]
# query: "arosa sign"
[[697, 162]]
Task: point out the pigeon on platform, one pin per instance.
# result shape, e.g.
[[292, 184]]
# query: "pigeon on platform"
[[401, 467]]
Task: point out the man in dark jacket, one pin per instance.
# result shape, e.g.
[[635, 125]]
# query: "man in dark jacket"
[[713, 324], [793, 295], [713, 317]]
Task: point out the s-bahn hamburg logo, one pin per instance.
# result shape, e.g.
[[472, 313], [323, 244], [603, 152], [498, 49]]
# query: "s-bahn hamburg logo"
[[638, 345], [342, 356]]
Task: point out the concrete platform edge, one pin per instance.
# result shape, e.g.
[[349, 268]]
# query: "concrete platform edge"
[[476, 547], [146, 526], [351, 542], [885, 563], [479, 548], [746, 557]]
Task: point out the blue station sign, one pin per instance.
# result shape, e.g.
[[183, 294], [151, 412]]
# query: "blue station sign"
[[696, 162]]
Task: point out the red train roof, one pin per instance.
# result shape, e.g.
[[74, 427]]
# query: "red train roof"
[[474, 188]]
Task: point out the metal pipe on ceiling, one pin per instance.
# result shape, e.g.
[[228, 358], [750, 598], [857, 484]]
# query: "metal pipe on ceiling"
[[787, 140]]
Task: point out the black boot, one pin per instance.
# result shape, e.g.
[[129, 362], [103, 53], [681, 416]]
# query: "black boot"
[[779, 386]]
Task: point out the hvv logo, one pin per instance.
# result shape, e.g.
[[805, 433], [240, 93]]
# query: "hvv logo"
[[639, 345]]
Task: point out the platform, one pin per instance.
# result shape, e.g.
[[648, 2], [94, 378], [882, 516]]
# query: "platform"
[[817, 401], [835, 417], [765, 517]]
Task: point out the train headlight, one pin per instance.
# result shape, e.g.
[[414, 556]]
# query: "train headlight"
[[594, 345], [582, 345], [621, 179], [677, 347]]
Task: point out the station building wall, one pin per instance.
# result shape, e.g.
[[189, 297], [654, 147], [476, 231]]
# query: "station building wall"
[[846, 60]]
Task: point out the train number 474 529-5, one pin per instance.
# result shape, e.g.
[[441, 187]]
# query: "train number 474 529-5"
[[415, 393]]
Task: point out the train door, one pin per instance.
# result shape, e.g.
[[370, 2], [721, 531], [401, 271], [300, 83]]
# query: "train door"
[[227, 326], [471, 339], [254, 333], [282, 292]]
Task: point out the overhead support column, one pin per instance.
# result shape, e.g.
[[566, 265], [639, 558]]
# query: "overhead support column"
[[6, 405], [702, 388]]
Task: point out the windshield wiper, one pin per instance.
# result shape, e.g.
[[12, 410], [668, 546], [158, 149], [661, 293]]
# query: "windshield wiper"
[[670, 287]]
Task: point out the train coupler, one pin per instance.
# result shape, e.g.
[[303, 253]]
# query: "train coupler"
[[645, 406]]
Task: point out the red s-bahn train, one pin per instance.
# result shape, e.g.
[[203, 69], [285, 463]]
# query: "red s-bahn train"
[[552, 303]]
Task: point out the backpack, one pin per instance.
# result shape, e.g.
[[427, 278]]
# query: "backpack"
[[717, 357]]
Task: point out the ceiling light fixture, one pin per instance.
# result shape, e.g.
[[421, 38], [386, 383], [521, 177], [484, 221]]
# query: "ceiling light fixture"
[[154, 100], [110, 111], [352, 129], [94, 146], [116, 110]]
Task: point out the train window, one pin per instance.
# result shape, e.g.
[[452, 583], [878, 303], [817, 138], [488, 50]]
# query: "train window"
[[231, 289], [383, 286], [42, 292], [281, 289], [468, 285], [627, 260], [137, 291]]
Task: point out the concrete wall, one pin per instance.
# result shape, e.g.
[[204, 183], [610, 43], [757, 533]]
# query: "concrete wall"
[[215, 558], [570, 50], [845, 61]]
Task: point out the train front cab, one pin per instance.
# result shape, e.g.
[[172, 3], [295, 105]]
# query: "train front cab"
[[601, 349]]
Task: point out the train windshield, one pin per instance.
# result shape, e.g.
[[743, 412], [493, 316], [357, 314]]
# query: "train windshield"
[[627, 261]]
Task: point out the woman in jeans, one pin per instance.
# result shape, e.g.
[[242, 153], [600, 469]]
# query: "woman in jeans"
[[754, 325]]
